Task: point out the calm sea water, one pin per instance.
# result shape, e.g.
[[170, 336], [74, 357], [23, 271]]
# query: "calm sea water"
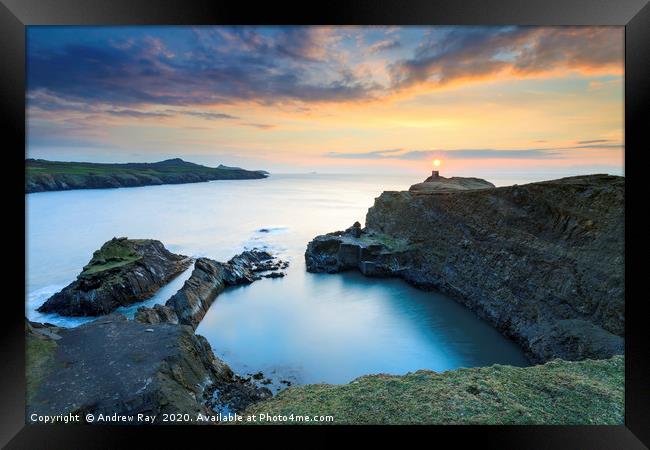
[[304, 328]]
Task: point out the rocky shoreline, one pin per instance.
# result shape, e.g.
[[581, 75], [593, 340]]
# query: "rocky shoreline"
[[542, 262], [152, 365]]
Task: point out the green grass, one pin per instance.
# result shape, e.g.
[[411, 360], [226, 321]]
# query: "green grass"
[[391, 242], [40, 357], [558, 392], [114, 253]]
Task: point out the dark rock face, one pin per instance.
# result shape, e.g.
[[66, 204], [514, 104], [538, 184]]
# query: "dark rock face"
[[122, 272], [209, 278], [543, 262], [114, 365], [156, 314], [236, 395]]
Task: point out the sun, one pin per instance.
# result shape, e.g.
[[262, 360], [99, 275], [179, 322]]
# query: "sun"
[[436, 163]]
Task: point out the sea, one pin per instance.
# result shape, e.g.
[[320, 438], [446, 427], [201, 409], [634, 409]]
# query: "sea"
[[301, 329]]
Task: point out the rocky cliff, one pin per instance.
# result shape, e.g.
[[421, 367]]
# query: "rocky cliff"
[[122, 272], [118, 366], [542, 262]]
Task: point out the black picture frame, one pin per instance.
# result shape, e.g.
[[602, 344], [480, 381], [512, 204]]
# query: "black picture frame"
[[15, 15]]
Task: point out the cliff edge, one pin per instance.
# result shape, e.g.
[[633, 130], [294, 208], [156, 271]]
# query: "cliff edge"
[[543, 262]]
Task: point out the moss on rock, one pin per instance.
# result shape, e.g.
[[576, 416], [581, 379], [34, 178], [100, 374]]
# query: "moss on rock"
[[114, 253], [39, 361]]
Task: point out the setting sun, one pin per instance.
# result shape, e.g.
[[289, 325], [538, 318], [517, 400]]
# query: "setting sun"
[[436, 163]]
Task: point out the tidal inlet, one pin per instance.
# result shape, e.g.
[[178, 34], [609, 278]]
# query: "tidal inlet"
[[325, 225]]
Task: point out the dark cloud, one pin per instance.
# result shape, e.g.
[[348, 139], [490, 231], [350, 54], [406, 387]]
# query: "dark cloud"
[[482, 51], [222, 66], [592, 146], [261, 126], [594, 141], [209, 115], [136, 114]]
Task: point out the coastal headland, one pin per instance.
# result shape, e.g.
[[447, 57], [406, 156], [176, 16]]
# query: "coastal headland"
[[42, 175]]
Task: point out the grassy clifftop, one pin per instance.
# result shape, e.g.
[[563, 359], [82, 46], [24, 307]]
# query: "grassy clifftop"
[[558, 392], [42, 175]]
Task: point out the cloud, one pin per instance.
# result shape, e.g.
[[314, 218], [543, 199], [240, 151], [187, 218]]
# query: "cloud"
[[483, 153], [475, 52], [208, 115], [449, 154], [194, 67], [261, 126], [137, 114], [222, 65], [383, 45], [594, 141], [42, 102]]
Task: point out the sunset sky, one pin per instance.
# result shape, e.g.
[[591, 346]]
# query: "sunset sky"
[[331, 99]]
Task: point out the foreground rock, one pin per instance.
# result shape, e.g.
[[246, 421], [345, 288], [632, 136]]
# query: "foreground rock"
[[122, 272], [543, 262], [209, 278], [118, 366], [556, 393]]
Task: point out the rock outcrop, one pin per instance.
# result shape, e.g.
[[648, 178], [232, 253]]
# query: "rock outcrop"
[[209, 278], [439, 183], [542, 262], [122, 272], [119, 366]]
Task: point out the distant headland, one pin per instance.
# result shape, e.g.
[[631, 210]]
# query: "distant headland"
[[42, 175]]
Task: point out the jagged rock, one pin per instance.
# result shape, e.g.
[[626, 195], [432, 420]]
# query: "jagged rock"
[[157, 314], [209, 278], [274, 275], [237, 395], [122, 272], [114, 365], [542, 262]]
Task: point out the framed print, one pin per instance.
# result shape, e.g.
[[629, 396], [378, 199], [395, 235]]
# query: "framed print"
[[360, 216]]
